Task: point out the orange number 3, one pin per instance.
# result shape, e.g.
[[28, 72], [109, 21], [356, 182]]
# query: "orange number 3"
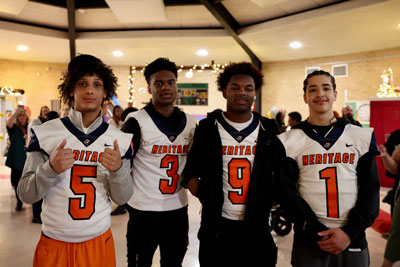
[[82, 207], [239, 178], [168, 186], [329, 175]]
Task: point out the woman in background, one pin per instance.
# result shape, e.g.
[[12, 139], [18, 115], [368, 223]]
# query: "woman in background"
[[42, 118], [116, 119], [17, 126]]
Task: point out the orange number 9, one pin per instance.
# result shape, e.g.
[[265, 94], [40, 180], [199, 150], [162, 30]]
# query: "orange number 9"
[[239, 178]]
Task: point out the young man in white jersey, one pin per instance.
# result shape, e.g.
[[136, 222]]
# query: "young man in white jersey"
[[76, 164], [162, 135], [230, 169], [331, 184]]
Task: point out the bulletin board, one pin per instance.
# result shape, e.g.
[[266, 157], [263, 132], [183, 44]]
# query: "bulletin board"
[[192, 94]]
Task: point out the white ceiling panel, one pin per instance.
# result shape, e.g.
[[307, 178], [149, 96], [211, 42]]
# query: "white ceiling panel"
[[41, 14], [248, 12], [138, 10], [12, 7], [182, 50], [41, 48], [177, 17], [348, 27], [357, 30]]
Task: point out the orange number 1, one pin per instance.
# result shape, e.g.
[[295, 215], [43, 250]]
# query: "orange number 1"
[[332, 203]]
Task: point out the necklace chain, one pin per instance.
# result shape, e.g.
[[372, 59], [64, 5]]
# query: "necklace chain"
[[326, 133]]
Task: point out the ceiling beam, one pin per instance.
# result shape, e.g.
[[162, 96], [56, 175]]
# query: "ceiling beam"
[[102, 3], [71, 28], [309, 14], [231, 26]]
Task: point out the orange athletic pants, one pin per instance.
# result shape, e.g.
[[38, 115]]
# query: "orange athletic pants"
[[98, 252]]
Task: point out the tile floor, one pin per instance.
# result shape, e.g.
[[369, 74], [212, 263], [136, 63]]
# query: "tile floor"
[[18, 236]]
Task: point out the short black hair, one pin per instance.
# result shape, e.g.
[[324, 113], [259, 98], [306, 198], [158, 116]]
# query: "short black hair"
[[127, 111], [245, 68], [316, 73], [52, 115], [87, 65], [160, 64], [295, 116]]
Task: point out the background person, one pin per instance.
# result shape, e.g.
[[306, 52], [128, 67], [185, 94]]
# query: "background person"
[[294, 119], [42, 118], [17, 129], [348, 113], [116, 119], [392, 164]]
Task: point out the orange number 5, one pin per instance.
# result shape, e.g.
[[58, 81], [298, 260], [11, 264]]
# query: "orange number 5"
[[332, 203], [82, 208], [239, 178], [168, 186]]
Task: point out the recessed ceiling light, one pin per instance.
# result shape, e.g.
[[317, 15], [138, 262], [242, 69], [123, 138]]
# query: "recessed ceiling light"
[[22, 48], [202, 52], [189, 74], [117, 53], [295, 44]]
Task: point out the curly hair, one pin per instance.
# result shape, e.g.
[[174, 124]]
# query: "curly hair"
[[316, 73], [159, 64], [87, 65], [240, 68]]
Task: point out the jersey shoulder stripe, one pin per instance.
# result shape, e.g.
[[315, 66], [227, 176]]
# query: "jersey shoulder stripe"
[[50, 134], [296, 141]]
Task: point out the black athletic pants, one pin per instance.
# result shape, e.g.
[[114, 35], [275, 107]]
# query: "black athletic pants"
[[149, 229]]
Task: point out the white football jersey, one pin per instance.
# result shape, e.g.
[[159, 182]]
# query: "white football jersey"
[[238, 150], [77, 208], [327, 169], [159, 163]]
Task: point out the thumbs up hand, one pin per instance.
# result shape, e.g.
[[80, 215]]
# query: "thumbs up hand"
[[111, 159], [62, 159]]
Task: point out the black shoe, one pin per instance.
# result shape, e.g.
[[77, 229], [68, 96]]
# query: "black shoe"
[[36, 220], [19, 206], [118, 211]]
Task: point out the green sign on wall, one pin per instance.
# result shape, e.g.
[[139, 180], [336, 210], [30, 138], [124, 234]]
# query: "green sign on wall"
[[192, 94]]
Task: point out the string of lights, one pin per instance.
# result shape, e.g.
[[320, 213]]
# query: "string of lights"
[[10, 91], [213, 67]]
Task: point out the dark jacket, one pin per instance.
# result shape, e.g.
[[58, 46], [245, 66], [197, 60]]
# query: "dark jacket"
[[16, 153], [360, 217], [205, 161]]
